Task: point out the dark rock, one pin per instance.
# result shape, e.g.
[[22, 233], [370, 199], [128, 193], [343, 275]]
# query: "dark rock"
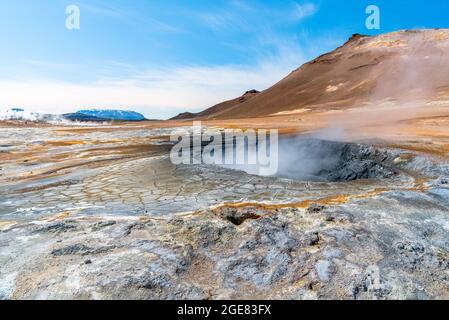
[[102, 224], [315, 208], [56, 228], [72, 250], [134, 226], [80, 249], [236, 216], [253, 91], [153, 282], [313, 239]]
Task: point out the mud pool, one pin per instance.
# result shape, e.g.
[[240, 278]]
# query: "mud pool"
[[90, 175]]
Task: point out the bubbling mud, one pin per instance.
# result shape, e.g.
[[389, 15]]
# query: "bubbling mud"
[[310, 159], [321, 160]]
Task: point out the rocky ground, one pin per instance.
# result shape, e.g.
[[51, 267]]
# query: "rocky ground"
[[392, 246], [374, 226]]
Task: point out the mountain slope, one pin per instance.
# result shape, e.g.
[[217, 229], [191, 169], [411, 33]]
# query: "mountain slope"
[[404, 65], [218, 109]]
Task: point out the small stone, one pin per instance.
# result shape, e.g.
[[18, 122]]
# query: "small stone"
[[314, 239], [315, 208]]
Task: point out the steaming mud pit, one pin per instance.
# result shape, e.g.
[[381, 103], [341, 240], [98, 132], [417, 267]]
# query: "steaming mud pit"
[[103, 213]]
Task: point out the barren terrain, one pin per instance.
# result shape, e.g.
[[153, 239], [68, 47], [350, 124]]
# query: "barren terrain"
[[100, 212]]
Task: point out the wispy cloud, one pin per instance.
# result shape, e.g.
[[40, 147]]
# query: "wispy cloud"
[[304, 10], [244, 17], [105, 11], [165, 90], [222, 21], [149, 90], [129, 16]]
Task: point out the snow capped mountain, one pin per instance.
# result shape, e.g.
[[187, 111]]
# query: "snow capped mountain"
[[83, 116], [122, 115]]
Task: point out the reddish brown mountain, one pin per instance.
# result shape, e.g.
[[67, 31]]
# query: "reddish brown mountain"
[[404, 65]]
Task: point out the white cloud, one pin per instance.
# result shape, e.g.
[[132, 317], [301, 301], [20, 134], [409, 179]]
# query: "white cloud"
[[131, 17], [156, 92], [161, 92], [245, 17], [218, 21]]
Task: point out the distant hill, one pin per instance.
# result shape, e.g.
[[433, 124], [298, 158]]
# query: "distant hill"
[[184, 116], [218, 109], [104, 115]]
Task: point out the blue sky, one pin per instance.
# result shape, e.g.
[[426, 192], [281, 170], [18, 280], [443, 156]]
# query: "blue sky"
[[164, 57]]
